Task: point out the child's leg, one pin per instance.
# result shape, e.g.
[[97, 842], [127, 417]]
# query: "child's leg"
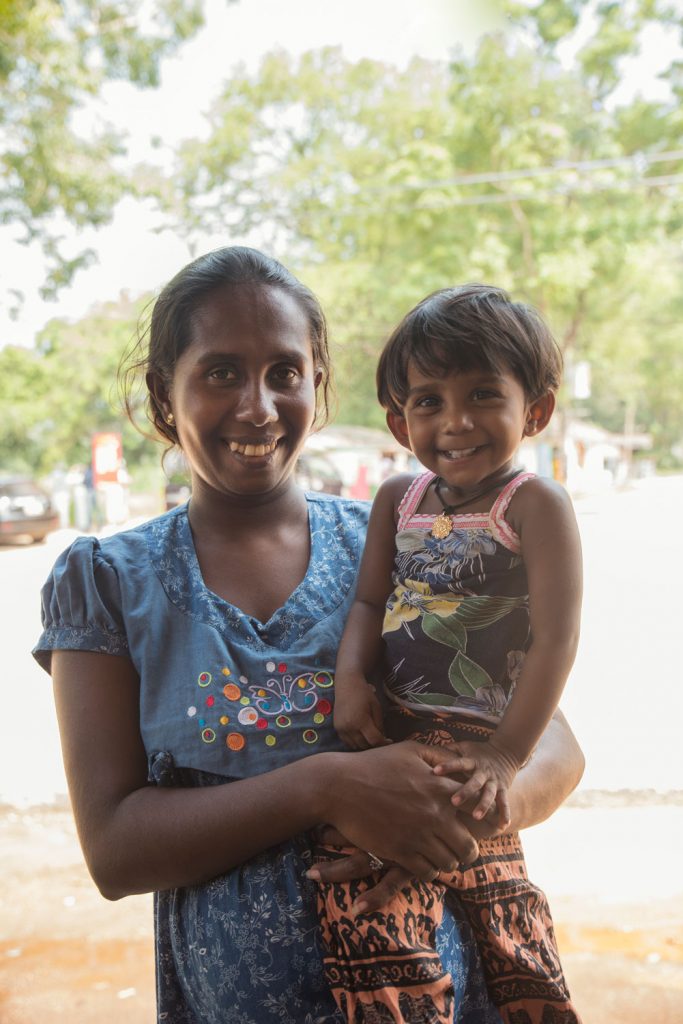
[[509, 916], [511, 920], [383, 966]]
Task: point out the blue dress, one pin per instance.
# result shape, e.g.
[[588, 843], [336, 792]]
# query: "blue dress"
[[224, 696]]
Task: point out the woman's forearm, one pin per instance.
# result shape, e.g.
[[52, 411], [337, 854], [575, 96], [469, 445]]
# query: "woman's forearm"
[[551, 774], [160, 838]]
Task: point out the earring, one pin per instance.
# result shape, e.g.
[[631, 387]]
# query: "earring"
[[170, 419]]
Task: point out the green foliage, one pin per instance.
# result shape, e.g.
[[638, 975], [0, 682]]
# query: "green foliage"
[[54, 397], [53, 56], [377, 185], [382, 184]]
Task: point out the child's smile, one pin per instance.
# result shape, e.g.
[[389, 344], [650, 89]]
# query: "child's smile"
[[466, 427]]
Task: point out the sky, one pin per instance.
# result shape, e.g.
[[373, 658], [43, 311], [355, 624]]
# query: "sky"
[[132, 256]]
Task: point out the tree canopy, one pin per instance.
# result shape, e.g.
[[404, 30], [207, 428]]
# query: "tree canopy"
[[509, 165], [54, 56], [528, 163]]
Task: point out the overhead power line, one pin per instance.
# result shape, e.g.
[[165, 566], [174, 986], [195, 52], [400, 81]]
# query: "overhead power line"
[[638, 162], [553, 193]]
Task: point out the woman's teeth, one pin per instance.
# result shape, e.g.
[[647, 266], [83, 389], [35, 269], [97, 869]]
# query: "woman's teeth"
[[256, 450]]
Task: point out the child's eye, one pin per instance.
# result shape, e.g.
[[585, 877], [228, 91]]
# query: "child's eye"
[[426, 402], [481, 394]]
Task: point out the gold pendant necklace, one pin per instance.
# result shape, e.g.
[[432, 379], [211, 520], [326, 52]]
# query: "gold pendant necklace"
[[443, 525]]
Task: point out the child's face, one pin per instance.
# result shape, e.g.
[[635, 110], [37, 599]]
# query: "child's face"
[[243, 391], [466, 427]]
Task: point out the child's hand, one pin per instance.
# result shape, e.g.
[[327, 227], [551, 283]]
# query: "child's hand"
[[358, 716], [491, 772]]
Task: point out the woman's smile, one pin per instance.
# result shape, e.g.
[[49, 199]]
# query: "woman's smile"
[[253, 449], [243, 393]]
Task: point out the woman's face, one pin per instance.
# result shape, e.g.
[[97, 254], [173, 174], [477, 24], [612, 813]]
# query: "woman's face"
[[243, 391]]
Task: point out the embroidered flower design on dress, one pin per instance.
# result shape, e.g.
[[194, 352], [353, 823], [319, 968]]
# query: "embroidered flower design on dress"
[[266, 707]]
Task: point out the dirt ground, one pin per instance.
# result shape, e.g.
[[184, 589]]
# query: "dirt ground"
[[66, 954]]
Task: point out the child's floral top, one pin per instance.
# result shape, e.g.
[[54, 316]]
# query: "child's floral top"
[[456, 625]]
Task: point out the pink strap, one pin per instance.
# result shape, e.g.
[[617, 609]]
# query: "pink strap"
[[412, 498], [500, 528]]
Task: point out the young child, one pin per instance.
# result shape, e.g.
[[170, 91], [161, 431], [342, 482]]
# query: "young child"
[[469, 591]]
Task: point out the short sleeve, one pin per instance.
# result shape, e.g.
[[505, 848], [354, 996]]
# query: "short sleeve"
[[81, 605]]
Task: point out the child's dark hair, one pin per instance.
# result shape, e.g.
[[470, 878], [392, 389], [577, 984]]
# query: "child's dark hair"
[[169, 331], [475, 326]]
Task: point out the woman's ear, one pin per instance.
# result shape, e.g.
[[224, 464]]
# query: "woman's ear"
[[399, 428], [538, 414], [159, 395]]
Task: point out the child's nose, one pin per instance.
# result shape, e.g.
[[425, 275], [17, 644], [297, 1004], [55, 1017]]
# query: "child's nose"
[[458, 419]]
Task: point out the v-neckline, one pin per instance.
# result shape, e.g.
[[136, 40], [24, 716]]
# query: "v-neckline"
[[330, 574]]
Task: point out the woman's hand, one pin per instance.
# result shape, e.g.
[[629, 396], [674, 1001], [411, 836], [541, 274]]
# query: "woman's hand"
[[356, 865], [389, 801]]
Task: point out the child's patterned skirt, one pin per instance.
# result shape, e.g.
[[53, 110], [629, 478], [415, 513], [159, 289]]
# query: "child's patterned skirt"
[[383, 967]]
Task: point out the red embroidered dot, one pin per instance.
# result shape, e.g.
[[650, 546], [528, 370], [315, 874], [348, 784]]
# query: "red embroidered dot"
[[324, 706], [210, 701], [262, 723], [282, 667]]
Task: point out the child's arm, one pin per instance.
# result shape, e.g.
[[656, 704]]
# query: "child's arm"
[[542, 515], [357, 714]]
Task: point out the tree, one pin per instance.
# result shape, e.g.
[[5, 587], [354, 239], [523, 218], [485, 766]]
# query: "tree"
[[55, 396], [54, 57], [383, 184]]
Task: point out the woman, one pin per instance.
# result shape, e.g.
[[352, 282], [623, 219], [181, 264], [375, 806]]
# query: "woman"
[[193, 660]]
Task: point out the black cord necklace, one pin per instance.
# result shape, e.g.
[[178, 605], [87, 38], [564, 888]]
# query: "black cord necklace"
[[442, 525]]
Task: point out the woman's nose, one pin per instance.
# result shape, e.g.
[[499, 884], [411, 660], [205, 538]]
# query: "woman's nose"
[[256, 405]]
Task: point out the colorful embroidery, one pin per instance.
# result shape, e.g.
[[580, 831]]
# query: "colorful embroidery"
[[271, 704]]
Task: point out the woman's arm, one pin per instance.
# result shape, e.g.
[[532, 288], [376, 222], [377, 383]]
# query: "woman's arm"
[[138, 838], [544, 783]]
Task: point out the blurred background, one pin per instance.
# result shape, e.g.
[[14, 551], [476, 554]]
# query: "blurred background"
[[381, 150]]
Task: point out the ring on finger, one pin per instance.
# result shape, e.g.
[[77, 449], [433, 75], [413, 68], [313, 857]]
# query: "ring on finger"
[[375, 863]]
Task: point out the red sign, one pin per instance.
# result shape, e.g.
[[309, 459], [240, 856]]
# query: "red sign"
[[107, 458]]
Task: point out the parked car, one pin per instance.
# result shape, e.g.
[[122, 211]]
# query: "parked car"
[[26, 510], [315, 472], [176, 493]]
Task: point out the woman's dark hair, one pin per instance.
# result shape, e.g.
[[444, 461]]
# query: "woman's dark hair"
[[475, 326], [161, 342]]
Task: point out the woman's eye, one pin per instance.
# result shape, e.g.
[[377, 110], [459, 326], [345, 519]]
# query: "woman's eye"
[[285, 374], [223, 373]]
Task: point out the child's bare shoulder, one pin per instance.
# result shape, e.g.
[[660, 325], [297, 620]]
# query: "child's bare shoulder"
[[538, 497], [392, 490]]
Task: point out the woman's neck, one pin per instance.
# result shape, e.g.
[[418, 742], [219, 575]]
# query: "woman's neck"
[[215, 515]]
